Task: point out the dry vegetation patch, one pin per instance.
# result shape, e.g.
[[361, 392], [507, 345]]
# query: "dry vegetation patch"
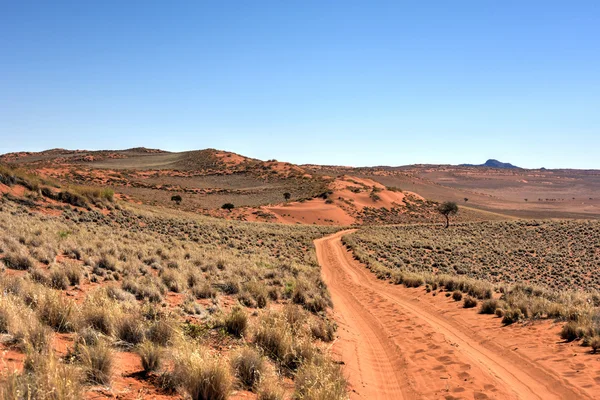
[[520, 270], [186, 296]]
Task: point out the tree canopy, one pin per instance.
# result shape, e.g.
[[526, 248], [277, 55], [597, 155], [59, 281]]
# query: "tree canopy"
[[446, 209]]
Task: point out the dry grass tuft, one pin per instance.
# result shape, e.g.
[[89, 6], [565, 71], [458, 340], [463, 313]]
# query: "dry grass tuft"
[[249, 367], [202, 376]]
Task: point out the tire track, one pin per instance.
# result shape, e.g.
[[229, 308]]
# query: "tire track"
[[395, 347]]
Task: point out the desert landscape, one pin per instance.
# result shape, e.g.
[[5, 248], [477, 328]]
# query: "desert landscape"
[[299, 200], [125, 275]]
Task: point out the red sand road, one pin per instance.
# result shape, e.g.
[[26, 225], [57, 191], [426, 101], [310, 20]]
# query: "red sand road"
[[395, 345]]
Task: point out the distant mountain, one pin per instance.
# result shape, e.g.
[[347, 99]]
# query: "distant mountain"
[[491, 163]]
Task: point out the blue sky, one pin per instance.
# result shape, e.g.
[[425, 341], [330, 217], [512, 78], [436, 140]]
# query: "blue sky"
[[353, 83]]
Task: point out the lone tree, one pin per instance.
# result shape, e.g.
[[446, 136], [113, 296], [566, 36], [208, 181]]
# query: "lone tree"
[[228, 207], [466, 199], [177, 199], [287, 196], [446, 209]]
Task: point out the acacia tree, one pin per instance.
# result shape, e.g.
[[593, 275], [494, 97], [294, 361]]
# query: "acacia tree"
[[446, 209], [287, 196], [228, 206]]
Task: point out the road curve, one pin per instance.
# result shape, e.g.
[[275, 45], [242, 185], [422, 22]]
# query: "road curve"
[[396, 347]]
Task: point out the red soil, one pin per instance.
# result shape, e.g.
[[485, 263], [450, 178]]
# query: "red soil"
[[404, 343]]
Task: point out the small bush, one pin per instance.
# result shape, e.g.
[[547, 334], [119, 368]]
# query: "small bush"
[[319, 380], [151, 356], [99, 316], [512, 316], [236, 322], [161, 332], [48, 380], [204, 291], [469, 302], [595, 344], [130, 329], [324, 330], [269, 390], [203, 377], [412, 281], [489, 306], [18, 261], [457, 295], [58, 312], [274, 337], [97, 361], [571, 331], [249, 367], [58, 280], [37, 338]]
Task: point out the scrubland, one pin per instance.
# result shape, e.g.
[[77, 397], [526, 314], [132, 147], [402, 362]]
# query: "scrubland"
[[518, 270], [205, 306]]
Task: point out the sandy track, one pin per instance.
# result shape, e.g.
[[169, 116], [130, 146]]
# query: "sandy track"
[[394, 346]]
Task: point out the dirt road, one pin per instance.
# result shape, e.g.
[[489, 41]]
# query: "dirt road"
[[396, 347]]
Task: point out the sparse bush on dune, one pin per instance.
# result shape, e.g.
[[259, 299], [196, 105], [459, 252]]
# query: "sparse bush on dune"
[[323, 330], [274, 336], [595, 344], [457, 295], [511, 316], [161, 332], [469, 302], [489, 306]]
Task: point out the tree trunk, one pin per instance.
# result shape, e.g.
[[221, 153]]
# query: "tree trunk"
[[447, 221]]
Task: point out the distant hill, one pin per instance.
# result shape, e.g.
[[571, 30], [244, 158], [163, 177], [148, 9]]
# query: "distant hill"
[[491, 163]]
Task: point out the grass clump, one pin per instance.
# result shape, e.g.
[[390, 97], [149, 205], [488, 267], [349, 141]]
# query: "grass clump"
[[202, 376], [151, 356], [511, 316], [469, 302], [45, 378], [489, 306], [97, 361], [249, 367], [320, 380], [130, 329], [236, 322]]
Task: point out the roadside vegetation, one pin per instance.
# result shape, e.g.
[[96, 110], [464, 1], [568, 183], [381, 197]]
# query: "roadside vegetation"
[[203, 306], [517, 270]]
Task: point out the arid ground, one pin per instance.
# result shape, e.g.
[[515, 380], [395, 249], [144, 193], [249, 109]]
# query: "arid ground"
[[209, 275]]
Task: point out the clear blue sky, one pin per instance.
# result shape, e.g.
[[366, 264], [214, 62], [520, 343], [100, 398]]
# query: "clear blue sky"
[[354, 83]]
